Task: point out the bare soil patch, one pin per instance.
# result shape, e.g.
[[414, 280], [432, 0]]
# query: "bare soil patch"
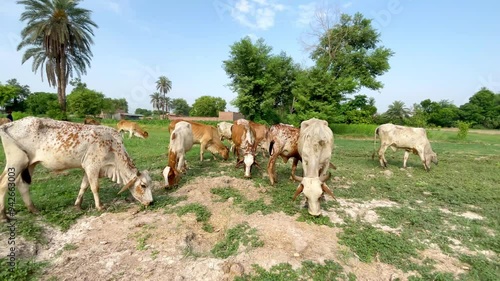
[[154, 245]]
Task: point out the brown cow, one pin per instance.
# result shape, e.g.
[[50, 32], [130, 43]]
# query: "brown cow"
[[243, 137], [132, 127], [261, 137], [283, 142], [207, 136], [91, 121]]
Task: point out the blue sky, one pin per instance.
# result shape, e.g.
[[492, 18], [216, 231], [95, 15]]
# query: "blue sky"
[[443, 49]]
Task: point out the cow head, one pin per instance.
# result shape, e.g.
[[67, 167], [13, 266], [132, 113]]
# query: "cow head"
[[224, 152], [313, 188], [248, 159], [140, 187], [171, 175], [431, 157]]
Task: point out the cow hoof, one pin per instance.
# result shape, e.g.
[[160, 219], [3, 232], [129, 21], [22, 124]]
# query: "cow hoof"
[[78, 208], [33, 210]]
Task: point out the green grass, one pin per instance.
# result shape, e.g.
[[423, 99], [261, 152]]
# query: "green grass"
[[241, 234], [466, 180], [308, 271], [23, 270]]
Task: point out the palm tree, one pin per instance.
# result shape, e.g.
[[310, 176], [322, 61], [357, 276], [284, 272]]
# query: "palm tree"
[[58, 35], [397, 112], [164, 85], [156, 100]]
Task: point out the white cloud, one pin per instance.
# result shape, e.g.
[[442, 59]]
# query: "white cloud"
[[257, 14], [347, 5], [306, 14]]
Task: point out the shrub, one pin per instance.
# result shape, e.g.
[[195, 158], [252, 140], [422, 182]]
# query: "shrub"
[[463, 129]]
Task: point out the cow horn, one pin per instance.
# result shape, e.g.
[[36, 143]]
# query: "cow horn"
[[327, 190], [128, 185], [297, 178], [333, 166], [324, 178], [298, 191], [257, 164]]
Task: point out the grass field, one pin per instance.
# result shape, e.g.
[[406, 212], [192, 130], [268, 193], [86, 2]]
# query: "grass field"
[[454, 208]]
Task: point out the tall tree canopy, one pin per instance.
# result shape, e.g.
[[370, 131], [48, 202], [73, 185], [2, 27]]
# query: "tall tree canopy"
[[347, 58], [180, 107], [164, 85], [208, 106], [57, 36]]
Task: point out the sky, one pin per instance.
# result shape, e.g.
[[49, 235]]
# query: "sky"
[[442, 49]]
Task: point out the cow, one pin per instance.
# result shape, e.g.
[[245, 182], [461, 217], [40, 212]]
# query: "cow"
[[315, 146], [4, 121], [407, 138], [243, 137], [224, 129], [60, 145], [261, 137], [91, 121], [283, 142], [133, 129], [181, 141], [207, 136]]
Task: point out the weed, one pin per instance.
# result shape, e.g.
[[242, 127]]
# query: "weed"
[[154, 254], [70, 247], [240, 234], [23, 270]]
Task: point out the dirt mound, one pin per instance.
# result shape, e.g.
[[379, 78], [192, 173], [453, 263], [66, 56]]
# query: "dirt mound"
[[155, 245]]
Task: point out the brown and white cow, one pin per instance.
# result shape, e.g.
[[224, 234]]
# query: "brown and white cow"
[[207, 136], [315, 147], [243, 137], [408, 138], [224, 129], [181, 141], [283, 142], [60, 145]]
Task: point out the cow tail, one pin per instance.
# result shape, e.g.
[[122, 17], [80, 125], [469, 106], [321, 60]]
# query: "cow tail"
[[375, 143]]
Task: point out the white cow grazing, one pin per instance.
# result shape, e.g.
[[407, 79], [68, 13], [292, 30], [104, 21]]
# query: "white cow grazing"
[[59, 145], [315, 148], [407, 138], [181, 141]]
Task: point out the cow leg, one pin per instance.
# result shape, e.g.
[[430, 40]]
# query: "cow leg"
[[405, 159], [294, 165], [270, 168], [202, 150], [14, 169], [23, 186], [422, 158], [381, 157], [131, 132], [94, 186], [83, 187]]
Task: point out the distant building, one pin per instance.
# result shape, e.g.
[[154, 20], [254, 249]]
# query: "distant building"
[[127, 116]]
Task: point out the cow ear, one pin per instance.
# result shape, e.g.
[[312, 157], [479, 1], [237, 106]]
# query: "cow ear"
[[173, 136]]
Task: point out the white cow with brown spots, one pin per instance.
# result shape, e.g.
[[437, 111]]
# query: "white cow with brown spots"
[[181, 141], [315, 147], [408, 138], [59, 145], [284, 140]]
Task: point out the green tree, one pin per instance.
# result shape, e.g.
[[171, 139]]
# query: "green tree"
[[83, 101], [40, 103], [164, 85], [482, 109], [22, 92], [359, 110], [397, 112], [58, 36], [156, 100], [246, 68], [347, 58], [180, 107], [7, 94], [143, 111], [208, 106]]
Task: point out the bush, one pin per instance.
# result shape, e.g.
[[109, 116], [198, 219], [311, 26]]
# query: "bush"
[[463, 129], [16, 115]]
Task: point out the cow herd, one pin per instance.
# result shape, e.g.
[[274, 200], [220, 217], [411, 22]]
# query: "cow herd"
[[100, 152]]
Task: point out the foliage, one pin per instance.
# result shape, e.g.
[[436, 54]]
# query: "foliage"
[[240, 234], [7, 93], [482, 109], [111, 106], [23, 270], [397, 112], [156, 100], [57, 36], [145, 112], [463, 129], [208, 106], [164, 85], [180, 107], [17, 93], [40, 103], [83, 101]]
